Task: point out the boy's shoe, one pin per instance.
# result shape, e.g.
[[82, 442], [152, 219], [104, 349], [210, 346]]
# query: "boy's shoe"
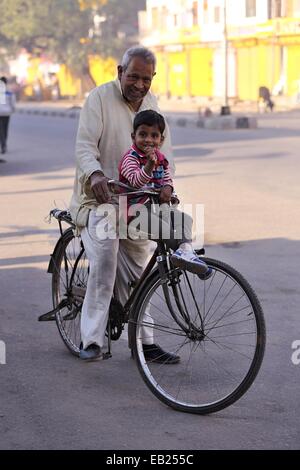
[[92, 352], [154, 353], [189, 261]]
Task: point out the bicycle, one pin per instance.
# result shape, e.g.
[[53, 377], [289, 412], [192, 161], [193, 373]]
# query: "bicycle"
[[216, 326]]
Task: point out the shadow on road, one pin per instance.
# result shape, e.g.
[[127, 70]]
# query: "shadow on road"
[[44, 385]]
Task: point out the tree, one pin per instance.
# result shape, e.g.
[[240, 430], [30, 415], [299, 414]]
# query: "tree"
[[50, 26], [120, 28]]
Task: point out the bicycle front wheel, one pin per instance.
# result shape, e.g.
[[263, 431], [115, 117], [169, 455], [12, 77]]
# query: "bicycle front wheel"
[[69, 280], [215, 326]]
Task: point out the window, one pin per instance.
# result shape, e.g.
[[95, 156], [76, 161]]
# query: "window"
[[164, 16], [250, 8], [195, 13], [277, 8], [205, 12], [289, 8], [155, 18]]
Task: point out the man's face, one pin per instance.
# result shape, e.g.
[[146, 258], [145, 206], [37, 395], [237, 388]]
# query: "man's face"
[[136, 79]]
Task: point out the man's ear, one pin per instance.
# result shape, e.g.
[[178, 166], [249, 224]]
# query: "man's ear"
[[120, 71], [133, 136]]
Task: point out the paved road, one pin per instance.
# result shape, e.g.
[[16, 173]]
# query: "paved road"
[[248, 181]]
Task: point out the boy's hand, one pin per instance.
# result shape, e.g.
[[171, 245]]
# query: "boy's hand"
[[165, 194], [150, 154], [151, 160]]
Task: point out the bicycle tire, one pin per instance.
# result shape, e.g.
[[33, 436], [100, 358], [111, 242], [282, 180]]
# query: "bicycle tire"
[[70, 271], [160, 381]]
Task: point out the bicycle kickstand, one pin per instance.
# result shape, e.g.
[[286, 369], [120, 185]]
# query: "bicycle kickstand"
[[108, 354]]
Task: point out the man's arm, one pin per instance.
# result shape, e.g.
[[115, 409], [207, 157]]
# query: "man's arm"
[[88, 136], [87, 148]]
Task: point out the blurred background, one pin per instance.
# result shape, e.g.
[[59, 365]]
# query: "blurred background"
[[210, 50], [212, 55]]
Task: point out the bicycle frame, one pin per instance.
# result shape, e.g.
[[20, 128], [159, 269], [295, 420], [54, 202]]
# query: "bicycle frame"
[[159, 256]]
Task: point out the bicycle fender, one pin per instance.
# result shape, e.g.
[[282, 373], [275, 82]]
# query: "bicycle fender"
[[60, 241]]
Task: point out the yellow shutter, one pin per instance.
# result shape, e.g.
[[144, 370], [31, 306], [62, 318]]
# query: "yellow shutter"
[[257, 66], [201, 83], [160, 81], [177, 65], [293, 70]]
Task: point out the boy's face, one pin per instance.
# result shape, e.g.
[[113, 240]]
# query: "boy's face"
[[147, 138]]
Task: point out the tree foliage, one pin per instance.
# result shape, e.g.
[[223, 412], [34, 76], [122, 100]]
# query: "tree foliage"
[[120, 29], [65, 29]]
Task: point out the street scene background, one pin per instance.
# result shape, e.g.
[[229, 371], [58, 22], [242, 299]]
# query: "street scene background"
[[248, 181]]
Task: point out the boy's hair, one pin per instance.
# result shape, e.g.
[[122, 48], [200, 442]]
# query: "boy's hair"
[[149, 118]]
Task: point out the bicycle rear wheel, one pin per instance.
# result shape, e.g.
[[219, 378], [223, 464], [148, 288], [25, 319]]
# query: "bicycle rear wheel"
[[69, 280], [215, 326]]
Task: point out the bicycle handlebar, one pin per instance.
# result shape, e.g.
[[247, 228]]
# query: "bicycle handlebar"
[[64, 215], [145, 191]]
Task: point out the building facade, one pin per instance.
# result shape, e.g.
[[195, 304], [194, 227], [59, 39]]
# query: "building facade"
[[172, 31], [262, 42]]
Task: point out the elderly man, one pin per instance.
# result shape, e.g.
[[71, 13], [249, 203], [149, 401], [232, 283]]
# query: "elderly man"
[[104, 134]]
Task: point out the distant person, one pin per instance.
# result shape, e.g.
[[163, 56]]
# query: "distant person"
[[37, 91], [7, 107], [265, 96]]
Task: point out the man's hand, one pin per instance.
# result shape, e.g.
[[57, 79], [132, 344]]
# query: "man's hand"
[[99, 187], [165, 194]]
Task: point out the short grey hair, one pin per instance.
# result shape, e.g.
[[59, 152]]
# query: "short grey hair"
[[138, 51]]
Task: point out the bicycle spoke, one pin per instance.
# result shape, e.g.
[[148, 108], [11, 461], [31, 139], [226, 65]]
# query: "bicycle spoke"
[[223, 300], [223, 316], [70, 270], [223, 325], [223, 345]]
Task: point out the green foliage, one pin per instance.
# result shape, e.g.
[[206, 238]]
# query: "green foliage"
[[120, 30], [64, 29]]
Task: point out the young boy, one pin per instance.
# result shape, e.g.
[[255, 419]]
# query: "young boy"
[[144, 165]]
